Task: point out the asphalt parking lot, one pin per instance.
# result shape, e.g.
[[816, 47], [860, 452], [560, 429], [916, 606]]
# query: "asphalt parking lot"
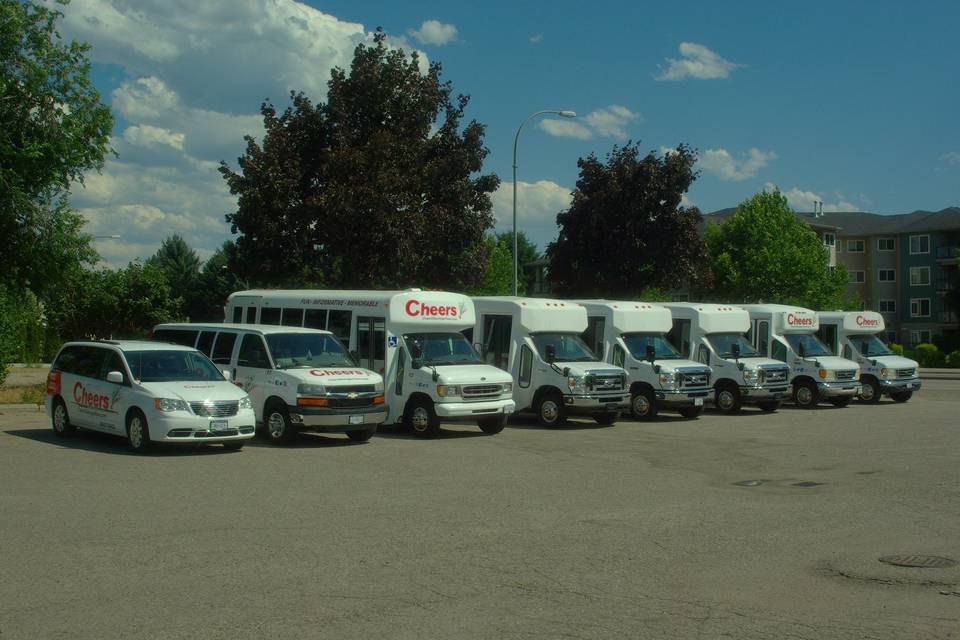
[[757, 526]]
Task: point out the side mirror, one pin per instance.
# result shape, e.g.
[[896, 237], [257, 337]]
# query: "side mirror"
[[735, 350], [550, 354], [416, 350], [865, 348], [226, 375], [802, 350], [416, 363], [651, 353], [115, 377], [478, 347]]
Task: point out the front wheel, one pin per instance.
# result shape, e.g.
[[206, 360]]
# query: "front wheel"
[[691, 412], [362, 435], [643, 405], [138, 434], [869, 391], [278, 426], [842, 401], [728, 399], [494, 425], [902, 397], [60, 419], [607, 419], [769, 407], [550, 410], [422, 419], [805, 394]]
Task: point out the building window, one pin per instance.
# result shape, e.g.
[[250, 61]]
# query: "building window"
[[887, 275], [919, 244], [887, 306], [886, 244], [829, 239], [920, 307], [680, 297], [919, 337], [919, 276], [858, 277], [855, 246]]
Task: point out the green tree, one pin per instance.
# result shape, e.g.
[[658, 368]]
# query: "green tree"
[[53, 128], [217, 281], [626, 229], [528, 253], [181, 267], [378, 187], [498, 277], [765, 253]]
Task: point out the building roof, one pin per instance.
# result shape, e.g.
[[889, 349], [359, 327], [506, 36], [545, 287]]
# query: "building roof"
[[864, 223]]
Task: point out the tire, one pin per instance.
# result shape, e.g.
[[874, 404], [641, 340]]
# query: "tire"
[[551, 411], [869, 390], [234, 445], [60, 419], [138, 433], [494, 425], [607, 419], [422, 419], [691, 413], [805, 394], [727, 399], [643, 405], [277, 425], [361, 435], [902, 397], [842, 401], [769, 407]]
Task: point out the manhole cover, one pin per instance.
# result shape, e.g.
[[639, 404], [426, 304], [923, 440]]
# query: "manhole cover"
[[923, 562], [748, 483], [808, 483]]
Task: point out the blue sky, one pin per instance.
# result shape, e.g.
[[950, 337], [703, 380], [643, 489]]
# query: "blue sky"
[[854, 104]]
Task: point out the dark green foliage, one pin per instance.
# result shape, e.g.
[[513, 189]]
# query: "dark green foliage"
[[528, 253], [498, 278], [626, 229]]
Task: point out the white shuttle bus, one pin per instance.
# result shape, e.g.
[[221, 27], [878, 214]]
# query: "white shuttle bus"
[[538, 341], [633, 335], [412, 338], [856, 336], [714, 335], [788, 334]]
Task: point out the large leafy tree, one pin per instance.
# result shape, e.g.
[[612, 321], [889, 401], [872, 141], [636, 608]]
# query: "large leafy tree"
[[217, 281], [626, 229], [527, 252], [378, 187], [180, 265], [765, 253], [498, 276], [53, 128]]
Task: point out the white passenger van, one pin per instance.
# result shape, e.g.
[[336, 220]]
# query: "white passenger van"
[[714, 335], [632, 335], [538, 341], [298, 379], [146, 392], [788, 334], [855, 336], [412, 337]]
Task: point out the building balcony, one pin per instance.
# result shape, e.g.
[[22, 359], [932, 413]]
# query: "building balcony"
[[947, 317], [947, 254], [944, 284]]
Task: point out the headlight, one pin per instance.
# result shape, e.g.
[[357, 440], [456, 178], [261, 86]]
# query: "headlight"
[[245, 403], [508, 387], [668, 380], [311, 390], [378, 386], [577, 384], [884, 372], [750, 376], [827, 375], [170, 404], [448, 390]]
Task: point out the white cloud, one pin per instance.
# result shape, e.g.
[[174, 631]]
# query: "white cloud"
[[605, 122], [538, 204], [722, 164], [951, 158], [434, 32], [697, 62], [150, 136], [537, 38], [801, 200]]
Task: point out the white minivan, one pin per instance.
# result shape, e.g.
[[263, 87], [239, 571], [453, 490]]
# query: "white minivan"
[[148, 392], [298, 379]]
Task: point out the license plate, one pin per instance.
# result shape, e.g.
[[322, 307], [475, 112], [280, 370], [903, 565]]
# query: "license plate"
[[356, 419], [611, 406], [910, 386], [698, 402], [218, 425]]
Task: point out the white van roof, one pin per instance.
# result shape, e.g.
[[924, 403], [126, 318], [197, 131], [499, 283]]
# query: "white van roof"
[[537, 314], [711, 317], [262, 329], [854, 321], [786, 318], [631, 317]]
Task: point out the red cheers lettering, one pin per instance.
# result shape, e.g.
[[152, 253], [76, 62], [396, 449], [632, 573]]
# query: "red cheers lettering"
[[415, 309], [799, 321], [85, 398], [867, 322], [335, 372]]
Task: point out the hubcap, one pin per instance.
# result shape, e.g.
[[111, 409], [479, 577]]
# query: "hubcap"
[[866, 392], [420, 419], [276, 425], [804, 396], [725, 400], [136, 432], [549, 411], [59, 419], [641, 406]]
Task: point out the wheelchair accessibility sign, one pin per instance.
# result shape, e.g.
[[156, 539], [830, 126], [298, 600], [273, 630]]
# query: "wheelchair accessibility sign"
[[393, 341]]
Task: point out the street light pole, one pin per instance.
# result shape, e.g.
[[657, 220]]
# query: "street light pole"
[[516, 139]]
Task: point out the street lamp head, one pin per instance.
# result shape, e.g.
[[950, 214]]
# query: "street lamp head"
[[568, 114]]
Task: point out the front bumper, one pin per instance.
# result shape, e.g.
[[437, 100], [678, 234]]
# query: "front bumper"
[[339, 419], [838, 389], [187, 428], [473, 410], [684, 398], [893, 387], [757, 393], [595, 403]]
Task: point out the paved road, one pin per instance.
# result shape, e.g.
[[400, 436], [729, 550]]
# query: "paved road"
[[631, 531]]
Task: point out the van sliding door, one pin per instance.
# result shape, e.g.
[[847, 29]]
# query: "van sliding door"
[[371, 342]]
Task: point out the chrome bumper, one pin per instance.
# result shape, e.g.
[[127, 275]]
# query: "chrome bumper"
[[338, 419], [838, 389], [595, 404], [685, 398], [474, 410], [888, 387], [756, 393]]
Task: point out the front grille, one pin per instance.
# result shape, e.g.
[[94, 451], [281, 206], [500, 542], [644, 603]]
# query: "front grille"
[[474, 391], [215, 409], [694, 379], [846, 374], [774, 376], [906, 373], [350, 403], [356, 388], [606, 382]]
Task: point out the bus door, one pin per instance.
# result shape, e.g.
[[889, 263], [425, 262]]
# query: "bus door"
[[371, 342]]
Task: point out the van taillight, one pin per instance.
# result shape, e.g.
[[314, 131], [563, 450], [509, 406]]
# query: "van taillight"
[[53, 383]]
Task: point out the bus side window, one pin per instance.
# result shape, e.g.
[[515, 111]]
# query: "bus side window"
[[779, 351], [619, 355], [205, 343], [339, 325], [251, 315], [526, 366], [703, 354], [292, 317], [847, 352], [315, 319], [238, 314], [223, 347], [400, 366], [270, 315], [763, 337]]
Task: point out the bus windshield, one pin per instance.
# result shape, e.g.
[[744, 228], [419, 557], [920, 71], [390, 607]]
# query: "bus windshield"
[[812, 347], [293, 350], [439, 349], [723, 343], [569, 347], [870, 346], [637, 343], [172, 366]]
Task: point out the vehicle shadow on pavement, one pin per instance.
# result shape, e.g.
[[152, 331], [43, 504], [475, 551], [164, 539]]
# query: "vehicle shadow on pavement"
[[106, 443], [306, 441], [529, 422], [471, 431]]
